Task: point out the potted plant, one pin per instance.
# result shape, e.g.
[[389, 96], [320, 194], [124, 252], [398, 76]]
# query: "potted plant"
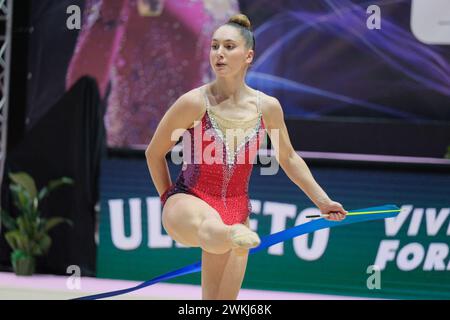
[[28, 233]]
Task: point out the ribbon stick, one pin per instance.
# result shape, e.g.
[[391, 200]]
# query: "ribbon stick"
[[352, 213], [353, 216]]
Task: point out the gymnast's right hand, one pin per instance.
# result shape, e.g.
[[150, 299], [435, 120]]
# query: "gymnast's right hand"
[[333, 211]]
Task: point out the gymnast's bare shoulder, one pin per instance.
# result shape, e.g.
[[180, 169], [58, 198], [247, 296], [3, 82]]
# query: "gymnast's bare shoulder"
[[275, 126], [179, 117], [271, 110]]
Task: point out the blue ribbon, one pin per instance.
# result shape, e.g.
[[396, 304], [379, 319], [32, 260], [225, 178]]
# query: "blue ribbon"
[[266, 242]]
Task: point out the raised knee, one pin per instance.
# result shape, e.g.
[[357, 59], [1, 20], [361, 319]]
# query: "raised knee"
[[166, 220], [171, 224], [182, 225]]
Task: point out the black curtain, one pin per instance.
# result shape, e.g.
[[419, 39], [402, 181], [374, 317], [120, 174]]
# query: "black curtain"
[[51, 46], [69, 140]]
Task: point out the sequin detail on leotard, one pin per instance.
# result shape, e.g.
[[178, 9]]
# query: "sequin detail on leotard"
[[222, 179]]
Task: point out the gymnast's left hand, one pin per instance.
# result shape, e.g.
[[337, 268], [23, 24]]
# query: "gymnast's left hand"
[[333, 211]]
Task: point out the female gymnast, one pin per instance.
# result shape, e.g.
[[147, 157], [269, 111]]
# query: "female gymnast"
[[208, 205]]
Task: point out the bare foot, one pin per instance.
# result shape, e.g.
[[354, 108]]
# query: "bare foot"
[[242, 237]]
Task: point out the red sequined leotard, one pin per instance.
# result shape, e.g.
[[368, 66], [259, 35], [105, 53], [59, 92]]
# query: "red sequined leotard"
[[216, 171]]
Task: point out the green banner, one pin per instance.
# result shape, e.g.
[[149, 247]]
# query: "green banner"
[[403, 257]]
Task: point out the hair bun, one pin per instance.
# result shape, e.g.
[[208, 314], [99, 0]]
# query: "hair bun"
[[241, 19]]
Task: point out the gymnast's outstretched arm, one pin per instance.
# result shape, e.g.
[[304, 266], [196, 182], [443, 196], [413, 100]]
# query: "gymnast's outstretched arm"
[[292, 164]]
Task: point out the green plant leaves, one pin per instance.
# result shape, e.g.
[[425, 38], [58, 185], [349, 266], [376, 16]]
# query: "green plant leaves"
[[29, 231], [7, 220], [21, 198], [52, 185], [32, 242], [16, 240], [53, 222], [27, 226], [24, 180], [41, 246]]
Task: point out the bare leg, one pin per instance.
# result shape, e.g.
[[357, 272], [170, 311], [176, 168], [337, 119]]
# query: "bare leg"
[[214, 235], [192, 222], [223, 274]]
